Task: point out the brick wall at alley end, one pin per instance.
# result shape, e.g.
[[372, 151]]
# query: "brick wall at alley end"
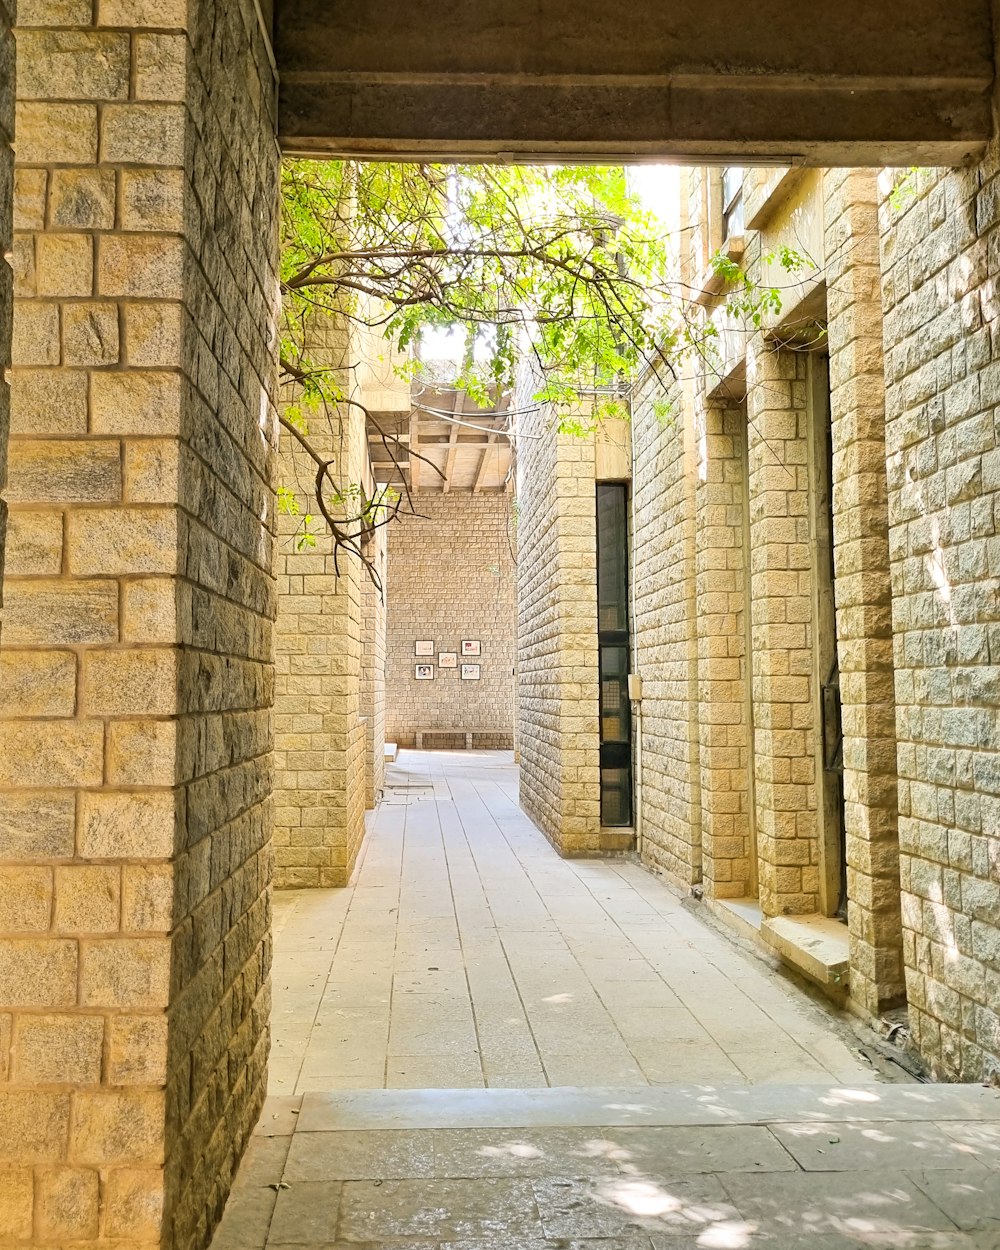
[[451, 579]]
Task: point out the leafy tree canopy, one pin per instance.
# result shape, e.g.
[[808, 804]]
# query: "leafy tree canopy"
[[560, 265], [562, 262]]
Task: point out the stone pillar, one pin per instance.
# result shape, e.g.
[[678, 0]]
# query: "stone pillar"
[[320, 739], [373, 662], [782, 631], [6, 243], [863, 590], [137, 677], [558, 732], [665, 625], [724, 723]]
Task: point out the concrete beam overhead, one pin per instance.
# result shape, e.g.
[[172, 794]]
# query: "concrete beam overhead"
[[866, 84]]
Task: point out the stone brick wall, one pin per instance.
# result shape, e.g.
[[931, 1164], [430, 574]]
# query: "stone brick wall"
[[913, 442], [940, 269], [665, 629], [451, 577], [136, 731], [558, 732], [320, 740], [729, 540]]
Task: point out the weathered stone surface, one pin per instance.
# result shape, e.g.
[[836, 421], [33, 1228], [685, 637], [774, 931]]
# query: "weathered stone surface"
[[117, 1126], [135, 402], [939, 304], [86, 64], [64, 265], [37, 826], [25, 899], [37, 683], [152, 199], [56, 133], [59, 1049], [125, 972], [49, 401], [143, 134], [61, 612], [90, 334], [137, 1049], [130, 683], [53, 470], [38, 972], [34, 1126], [72, 755], [16, 1201], [135, 1203], [127, 826], [88, 899], [66, 1203], [123, 540], [142, 753], [81, 198]]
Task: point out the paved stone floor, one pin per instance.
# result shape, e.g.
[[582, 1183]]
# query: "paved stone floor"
[[807, 1167], [703, 1101], [467, 953]]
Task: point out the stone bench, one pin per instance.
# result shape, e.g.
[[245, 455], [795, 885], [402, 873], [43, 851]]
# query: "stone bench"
[[420, 735]]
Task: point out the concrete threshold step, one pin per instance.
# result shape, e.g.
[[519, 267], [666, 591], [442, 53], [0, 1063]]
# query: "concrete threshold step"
[[664, 1105]]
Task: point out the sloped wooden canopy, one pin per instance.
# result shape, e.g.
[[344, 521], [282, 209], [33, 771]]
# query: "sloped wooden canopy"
[[467, 445]]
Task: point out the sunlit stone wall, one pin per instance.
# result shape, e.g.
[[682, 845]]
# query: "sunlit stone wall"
[[940, 272], [137, 677]]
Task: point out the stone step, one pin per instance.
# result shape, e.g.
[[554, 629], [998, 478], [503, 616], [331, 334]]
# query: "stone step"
[[598, 1107]]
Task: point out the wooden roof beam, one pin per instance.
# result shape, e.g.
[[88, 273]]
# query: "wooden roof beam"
[[414, 446], [484, 460], [449, 467]]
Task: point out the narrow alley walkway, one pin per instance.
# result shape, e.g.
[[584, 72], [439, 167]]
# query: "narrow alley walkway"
[[702, 1100], [467, 953]]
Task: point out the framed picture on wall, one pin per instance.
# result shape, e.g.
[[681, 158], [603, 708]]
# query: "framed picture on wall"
[[424, 647], [470, 672], [447, 659], [423, 672], [471, 646]]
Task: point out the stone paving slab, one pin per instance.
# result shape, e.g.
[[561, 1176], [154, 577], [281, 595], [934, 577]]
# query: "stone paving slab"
[[831, 1147], [841, 1209], [443, 1209], [970, 1199]]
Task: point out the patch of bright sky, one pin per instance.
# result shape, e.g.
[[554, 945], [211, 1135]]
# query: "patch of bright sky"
[[657, 186]]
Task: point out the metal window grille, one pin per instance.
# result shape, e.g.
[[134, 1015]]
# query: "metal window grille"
[[614, 651]]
